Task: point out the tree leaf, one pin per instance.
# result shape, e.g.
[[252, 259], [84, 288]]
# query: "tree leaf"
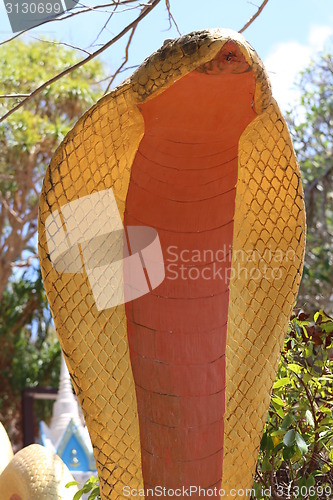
[[288, 452], [309, 418], [71, 483], [289, 438], [278, 401], [287, 421], [282, 382], [294, 368], [302, 446], [266, 465], [278, 409]]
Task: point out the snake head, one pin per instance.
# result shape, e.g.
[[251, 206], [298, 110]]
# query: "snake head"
[[228, 60], [208, 51]]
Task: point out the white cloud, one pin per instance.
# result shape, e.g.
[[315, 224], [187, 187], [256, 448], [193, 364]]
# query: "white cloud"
[[319, 35], [287, 59]]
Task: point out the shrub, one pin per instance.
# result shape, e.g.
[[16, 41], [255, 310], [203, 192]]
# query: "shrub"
[[296, 453]]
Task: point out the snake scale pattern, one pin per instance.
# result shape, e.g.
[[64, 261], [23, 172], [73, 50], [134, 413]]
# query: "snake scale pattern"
[[103, 152]]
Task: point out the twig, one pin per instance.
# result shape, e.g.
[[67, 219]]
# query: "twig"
[[171, 18], [315, 420], [308, 394], [53, 42], [254, 17], [63, 18], [117, 3], [31, 305], [152, 4], [261, 477], [252, 3], [124, 62], [24, 263], [13, 96], [108, 78], [11, 211], [274, 493], [103, 28]]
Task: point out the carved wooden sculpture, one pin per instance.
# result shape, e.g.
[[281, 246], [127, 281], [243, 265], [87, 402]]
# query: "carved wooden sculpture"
[[175, 384]]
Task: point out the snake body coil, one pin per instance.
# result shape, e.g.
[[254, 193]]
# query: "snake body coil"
[[33, 473]]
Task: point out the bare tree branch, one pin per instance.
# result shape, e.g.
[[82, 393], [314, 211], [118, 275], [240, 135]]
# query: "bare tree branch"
[[109, 19], [147, 9], [123, 64], [254, 17], [107, 78], [171, 18], [24, 263], [13, 96], [72, 14], [54, 42], [11, 211], [103, 28], [125, 60]]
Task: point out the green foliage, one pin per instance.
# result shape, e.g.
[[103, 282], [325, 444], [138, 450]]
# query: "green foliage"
[[28, 138], [296, 453], [30, 353], [91, 486], [24, 66], [46, 119]]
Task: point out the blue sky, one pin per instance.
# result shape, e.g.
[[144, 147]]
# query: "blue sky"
[[286, 34]]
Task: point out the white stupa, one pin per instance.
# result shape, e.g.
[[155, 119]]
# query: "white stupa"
[[67, 435]]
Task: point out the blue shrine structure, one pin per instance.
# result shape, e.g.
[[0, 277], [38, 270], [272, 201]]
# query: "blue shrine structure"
[[67, 435]]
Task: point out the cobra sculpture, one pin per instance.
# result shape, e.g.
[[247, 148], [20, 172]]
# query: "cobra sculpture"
[[175, 380], [34, 473]]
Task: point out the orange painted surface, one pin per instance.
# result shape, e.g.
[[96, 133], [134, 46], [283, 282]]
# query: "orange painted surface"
[[183, 184]]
